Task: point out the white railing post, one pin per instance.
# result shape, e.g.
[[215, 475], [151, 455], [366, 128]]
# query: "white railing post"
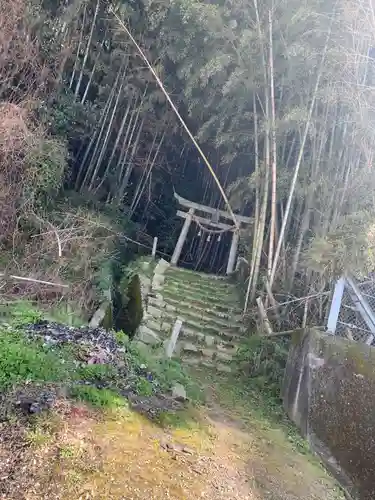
[[154, 245], [173, 340], [335, 306]]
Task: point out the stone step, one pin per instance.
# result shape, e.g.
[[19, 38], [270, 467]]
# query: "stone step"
[[205, 301], [223, 355], [207, 285], [195, 276], [185, 309], [205, 364], [179, 289], [227, 337], [203, 308], [190, 318], [209, 340]]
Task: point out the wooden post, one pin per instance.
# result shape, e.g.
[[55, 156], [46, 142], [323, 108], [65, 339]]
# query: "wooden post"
[[233, 252], [174, 337], [182, 237], [154, 247]]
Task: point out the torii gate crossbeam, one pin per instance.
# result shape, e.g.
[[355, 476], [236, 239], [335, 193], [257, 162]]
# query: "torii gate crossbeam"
[[213, 222]]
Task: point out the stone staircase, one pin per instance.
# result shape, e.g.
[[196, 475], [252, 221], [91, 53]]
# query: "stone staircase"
[[208, 307]]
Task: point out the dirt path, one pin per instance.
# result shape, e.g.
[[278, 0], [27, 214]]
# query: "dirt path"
[[267, 464], [122, 456]]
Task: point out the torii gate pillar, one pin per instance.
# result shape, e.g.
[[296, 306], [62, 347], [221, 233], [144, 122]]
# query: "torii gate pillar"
[[182, 237], [233, 252]]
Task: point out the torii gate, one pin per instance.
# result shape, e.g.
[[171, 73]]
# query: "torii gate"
[[212, 222]]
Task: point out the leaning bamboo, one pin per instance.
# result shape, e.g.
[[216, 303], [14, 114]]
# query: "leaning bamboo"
[[187, 130]]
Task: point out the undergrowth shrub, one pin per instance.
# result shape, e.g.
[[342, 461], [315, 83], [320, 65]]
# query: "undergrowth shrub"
[[262, 361], [74, 247]]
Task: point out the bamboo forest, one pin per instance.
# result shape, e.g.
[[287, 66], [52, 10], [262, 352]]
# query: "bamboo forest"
[[186, 192], [277, 95]]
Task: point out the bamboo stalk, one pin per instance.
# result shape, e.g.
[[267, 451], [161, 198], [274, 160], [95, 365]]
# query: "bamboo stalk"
[[32, 280], [299, 160], [274, 151], [76, 92], [79, 48]]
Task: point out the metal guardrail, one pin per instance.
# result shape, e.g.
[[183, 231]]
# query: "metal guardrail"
[[352, 311]]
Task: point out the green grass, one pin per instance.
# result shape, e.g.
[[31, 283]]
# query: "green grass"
[[99, 398], [256, 406], [144, 387], [37, 437], [23, 360], [20, 312], [98, 373], [27, 360], [64, 314]]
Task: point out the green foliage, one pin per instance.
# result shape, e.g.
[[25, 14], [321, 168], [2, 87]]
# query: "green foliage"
[[47, 161], [350, 246], [98, 373], [144, 387], [27, 360], [168, 372], [64, 313], [20, 312], [262, 361], [24, 360], [99, 398], [66, 118], [122, 338]]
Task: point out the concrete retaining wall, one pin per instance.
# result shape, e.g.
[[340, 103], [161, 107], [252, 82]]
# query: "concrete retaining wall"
[[329, 392]]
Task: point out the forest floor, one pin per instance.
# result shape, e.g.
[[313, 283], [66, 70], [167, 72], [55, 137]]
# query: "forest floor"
[[226, 449]]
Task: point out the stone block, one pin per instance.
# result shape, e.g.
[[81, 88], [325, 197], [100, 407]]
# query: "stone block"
[[189, 347], [145, 265], [209, 340], [220, 367], [228, 350], [157, 302], [147, 336], [154, 311], [167, 327], [224, 356], [170, 308], [191, 361], [153, 323], [179, 392], [161, 266]]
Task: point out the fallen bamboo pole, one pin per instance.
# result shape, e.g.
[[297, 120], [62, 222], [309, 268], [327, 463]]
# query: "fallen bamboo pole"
[[32, 280]]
